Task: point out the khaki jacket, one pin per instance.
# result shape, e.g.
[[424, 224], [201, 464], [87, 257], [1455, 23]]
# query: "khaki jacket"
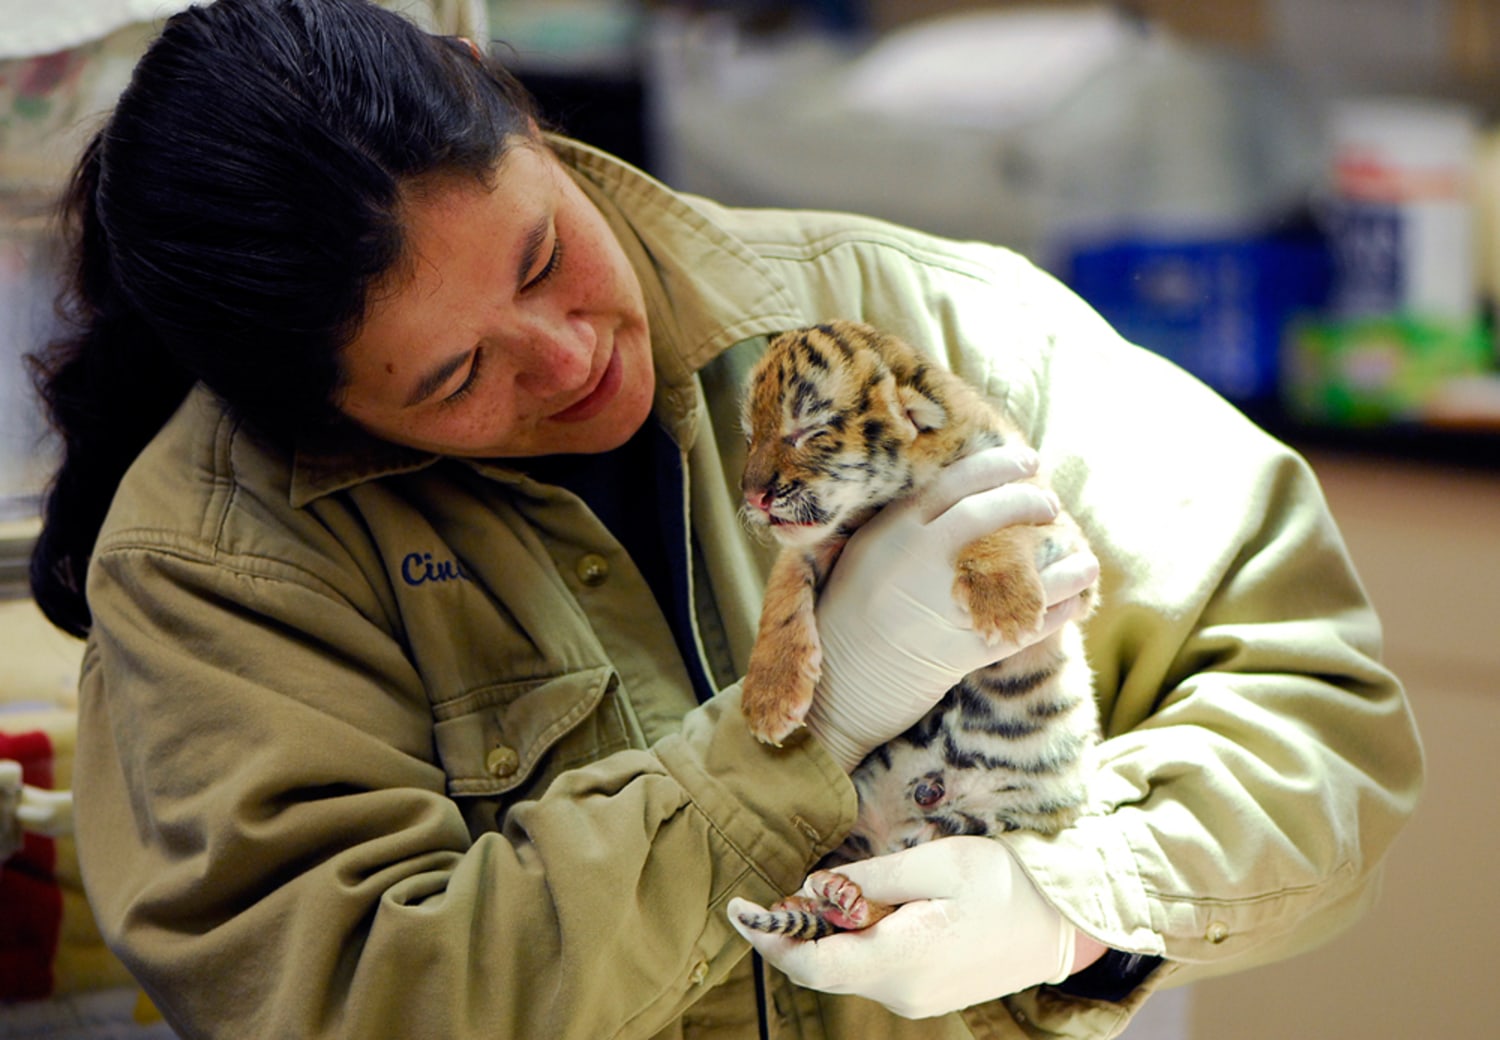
[[375, 744]]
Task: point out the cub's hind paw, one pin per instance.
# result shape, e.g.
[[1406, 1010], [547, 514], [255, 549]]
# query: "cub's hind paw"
[[842, 903], [833, 904]]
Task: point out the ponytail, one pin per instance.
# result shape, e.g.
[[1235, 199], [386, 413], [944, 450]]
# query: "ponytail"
[[107, 386]]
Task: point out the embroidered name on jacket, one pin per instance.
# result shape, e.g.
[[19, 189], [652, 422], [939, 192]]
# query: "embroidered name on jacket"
[[422, 569]]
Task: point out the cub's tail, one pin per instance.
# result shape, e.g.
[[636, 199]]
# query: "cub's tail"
[[791, 923]]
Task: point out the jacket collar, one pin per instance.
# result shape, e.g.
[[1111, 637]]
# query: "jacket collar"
[[705, 290], [341, 457]]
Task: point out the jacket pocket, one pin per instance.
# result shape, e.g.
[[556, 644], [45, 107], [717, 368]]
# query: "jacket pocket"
[[519, 735]]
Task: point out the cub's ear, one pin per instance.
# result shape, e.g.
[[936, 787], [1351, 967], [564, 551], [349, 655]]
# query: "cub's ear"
[[924, 413]]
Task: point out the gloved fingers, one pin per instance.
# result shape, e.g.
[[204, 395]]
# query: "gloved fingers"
[[848, 962], [982, 471], [738, 906], [1064, 582], [797, 959], [985, 511], [981, 512], [934, 870], [1070, 576], [1057, 615], [971, 926]]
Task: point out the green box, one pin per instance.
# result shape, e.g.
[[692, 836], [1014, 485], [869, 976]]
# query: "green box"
[[1371, 371]]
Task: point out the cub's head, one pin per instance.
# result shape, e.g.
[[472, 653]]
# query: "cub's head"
[[830, 427]]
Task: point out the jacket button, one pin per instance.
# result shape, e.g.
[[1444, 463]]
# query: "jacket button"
[[502, 762], [592, 569], [1217, 932]]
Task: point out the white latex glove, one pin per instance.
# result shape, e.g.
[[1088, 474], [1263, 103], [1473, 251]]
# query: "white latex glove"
[[894, 640], [973, 928]]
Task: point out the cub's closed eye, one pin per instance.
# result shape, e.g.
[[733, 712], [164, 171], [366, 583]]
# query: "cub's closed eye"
[[806, 434]]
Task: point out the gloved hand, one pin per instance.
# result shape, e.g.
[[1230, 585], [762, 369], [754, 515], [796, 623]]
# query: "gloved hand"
[[894, 640], [973, 928]]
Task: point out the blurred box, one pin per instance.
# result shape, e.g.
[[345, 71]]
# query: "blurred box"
[[1366, 372], [1217, 307]]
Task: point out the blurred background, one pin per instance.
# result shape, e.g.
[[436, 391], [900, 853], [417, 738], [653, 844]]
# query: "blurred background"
[[1297, 200]]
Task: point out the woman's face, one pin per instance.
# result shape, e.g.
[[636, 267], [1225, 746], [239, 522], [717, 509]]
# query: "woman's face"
[[516, 326]]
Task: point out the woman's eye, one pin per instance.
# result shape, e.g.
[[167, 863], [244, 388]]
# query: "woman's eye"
[[551, 267], [469, 380]]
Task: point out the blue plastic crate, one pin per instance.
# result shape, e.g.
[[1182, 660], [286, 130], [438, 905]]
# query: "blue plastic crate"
[[1217, 307]]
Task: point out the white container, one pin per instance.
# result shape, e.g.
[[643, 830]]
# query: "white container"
[[1402, 211], [1030, 127]]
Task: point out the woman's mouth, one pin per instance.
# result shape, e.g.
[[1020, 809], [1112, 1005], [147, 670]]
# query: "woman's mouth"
[[597, 399]]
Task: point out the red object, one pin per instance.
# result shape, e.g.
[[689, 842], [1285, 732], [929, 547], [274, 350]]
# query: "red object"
[[30, 899]]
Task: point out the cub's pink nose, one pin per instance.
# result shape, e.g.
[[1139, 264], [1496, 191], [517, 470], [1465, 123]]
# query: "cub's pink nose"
[[759, 498]]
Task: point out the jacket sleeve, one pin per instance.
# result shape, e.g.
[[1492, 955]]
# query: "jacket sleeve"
[[268, 844], [1258, 759]]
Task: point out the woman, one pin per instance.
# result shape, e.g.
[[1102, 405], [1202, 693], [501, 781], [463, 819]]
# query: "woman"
[[410, 706]]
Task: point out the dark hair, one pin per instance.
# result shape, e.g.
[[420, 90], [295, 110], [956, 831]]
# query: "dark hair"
[[226, 224]]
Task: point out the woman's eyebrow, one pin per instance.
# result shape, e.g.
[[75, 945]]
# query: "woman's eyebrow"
[[432, 381]]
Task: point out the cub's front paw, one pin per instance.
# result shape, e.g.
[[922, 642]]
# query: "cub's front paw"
[[777, 693]]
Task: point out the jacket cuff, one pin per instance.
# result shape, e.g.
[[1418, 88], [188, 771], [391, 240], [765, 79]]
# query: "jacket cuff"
[[1090, 873], [781, 808], [1113, 977]]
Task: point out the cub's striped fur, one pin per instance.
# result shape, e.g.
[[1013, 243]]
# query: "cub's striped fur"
[[842, 419]]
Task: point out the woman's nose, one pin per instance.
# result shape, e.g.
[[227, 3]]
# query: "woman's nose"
[[555, 358]]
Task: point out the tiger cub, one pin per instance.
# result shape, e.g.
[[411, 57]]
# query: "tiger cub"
[[842, 419]]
